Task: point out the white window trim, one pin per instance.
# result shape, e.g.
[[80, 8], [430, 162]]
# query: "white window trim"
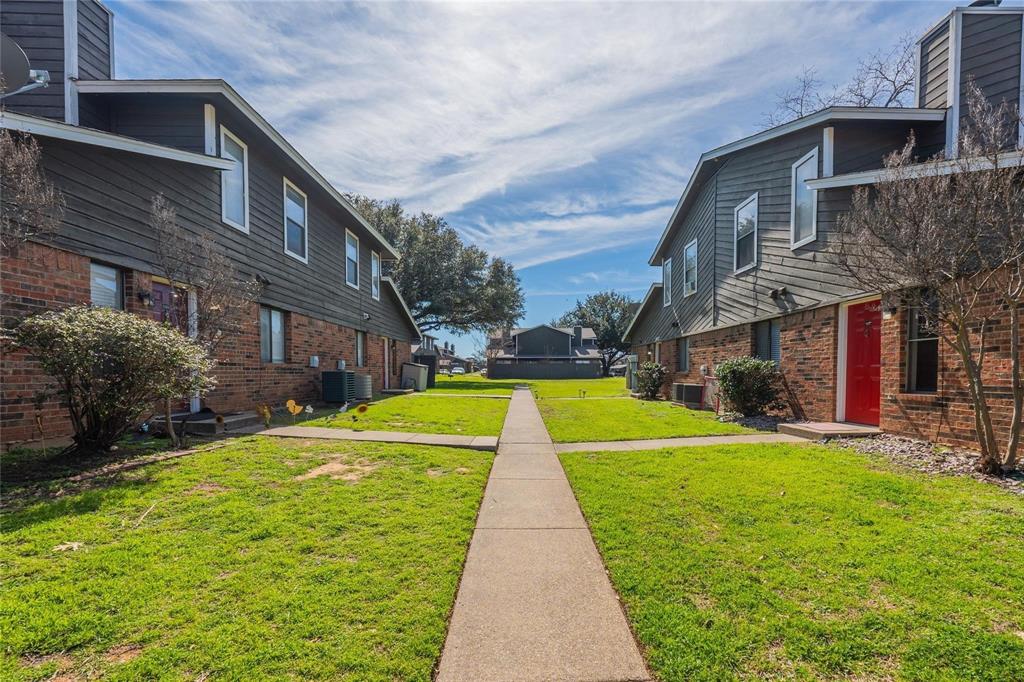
[[209, 130], [735, 234], [666, 283], [245, 182], [696, 254], [793, 244], [284, 220], [375, 282], [354, 236]]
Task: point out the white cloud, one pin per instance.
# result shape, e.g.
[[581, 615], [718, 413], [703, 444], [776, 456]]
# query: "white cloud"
[[444, 105]]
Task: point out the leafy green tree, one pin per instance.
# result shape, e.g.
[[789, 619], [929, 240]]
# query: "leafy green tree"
[[608, 314], [446, 282]]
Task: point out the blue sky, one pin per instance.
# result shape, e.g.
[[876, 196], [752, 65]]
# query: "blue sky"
[[556, 135]]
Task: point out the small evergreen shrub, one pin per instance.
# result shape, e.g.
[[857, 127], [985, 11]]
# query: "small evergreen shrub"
[[111, 366], [649, 378], [748, 385]]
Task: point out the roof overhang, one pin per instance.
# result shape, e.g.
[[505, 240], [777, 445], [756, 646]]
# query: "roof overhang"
[[220, 87], [45, 127], [830, 115], [530, 329], [640, 310], [405, 307], [922, 170]]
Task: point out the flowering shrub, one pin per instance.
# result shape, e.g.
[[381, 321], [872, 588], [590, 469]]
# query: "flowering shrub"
[[649, 378], [111, 366], [748, 385]]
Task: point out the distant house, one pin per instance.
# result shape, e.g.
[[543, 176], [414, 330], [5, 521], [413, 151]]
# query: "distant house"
[[544, 352], [745, 256]]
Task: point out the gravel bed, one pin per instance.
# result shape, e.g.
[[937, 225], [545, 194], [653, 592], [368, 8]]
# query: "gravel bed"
[[927, 457], [762, 422]]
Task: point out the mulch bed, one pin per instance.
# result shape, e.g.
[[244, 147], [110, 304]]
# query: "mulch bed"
[[929, 458]]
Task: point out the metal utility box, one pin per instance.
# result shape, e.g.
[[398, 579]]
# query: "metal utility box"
[[339, 386], [415, 376], [691, 395], [363, 386]]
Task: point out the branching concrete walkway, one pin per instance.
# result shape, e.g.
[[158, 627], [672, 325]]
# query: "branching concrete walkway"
[[485, 443], [656, 443], [535, 602]]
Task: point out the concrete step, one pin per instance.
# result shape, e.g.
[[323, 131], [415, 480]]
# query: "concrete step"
[[206, 424], [827, 430]]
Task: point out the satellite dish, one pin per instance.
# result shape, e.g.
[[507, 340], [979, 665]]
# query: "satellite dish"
[[14, 70]]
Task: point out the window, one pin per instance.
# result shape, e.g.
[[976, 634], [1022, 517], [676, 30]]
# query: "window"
[[360, 349], [745, 235], [666, 281], [803, 221], [922, 353], [271, 335], [683, 355], [106, 290], [296, 235], [351, 260], [234, 183], [690, 268], [375, 275], [767, 341]]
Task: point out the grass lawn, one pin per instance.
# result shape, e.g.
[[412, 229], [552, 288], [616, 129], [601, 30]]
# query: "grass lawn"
[[424, 414], [570, 388], [239, 563], [574, 421], [472, 383], [803, 562]]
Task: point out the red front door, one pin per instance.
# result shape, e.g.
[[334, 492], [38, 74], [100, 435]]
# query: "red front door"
[[863, 362]]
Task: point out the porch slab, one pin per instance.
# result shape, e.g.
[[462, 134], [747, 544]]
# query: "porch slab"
[[482, 443], [826, 430]]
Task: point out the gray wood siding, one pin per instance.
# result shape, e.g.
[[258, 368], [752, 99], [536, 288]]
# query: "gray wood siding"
[[171, 121], [93, 41], [695, 312], [933, 81], [543, 341], [863, 146], [990, 53], [38, 27], [108, 195]]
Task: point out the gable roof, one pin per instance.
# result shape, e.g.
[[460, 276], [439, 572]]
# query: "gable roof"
[[706, 165], [47, 127], [640, 308], [588, 332], [405, 308], [217, 86]]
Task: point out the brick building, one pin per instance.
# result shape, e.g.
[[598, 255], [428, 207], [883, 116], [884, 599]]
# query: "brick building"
[[745, 256], [110, 146]]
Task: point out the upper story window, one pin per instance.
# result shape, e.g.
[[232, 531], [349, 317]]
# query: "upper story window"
[[234, 183], [690, 268], [804, 202], [745, 235], [351, 260], [296, 234], [375, 275], [271, 335], [666, 281], [106, 289], [922, 353]]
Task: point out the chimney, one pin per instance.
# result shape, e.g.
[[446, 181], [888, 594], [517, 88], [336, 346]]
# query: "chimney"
[[577, 336]]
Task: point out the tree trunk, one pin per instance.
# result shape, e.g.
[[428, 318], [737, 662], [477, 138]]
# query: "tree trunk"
[[989, 462], [1010, 459], [169, 424]]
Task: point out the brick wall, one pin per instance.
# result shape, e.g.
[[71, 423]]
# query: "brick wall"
[[808, 341], [947, 415], [41, 278]]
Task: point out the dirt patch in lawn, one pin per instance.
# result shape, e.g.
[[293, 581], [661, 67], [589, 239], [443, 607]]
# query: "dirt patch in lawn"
[[206, 488], [122, 653], [345, 471]]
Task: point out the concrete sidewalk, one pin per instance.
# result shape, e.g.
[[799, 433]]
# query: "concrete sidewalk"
[[692, 441], [535, 602], [483, 443]]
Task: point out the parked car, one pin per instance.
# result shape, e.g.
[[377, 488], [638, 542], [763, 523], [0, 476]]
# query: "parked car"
[[444, 371], [458, 370]]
